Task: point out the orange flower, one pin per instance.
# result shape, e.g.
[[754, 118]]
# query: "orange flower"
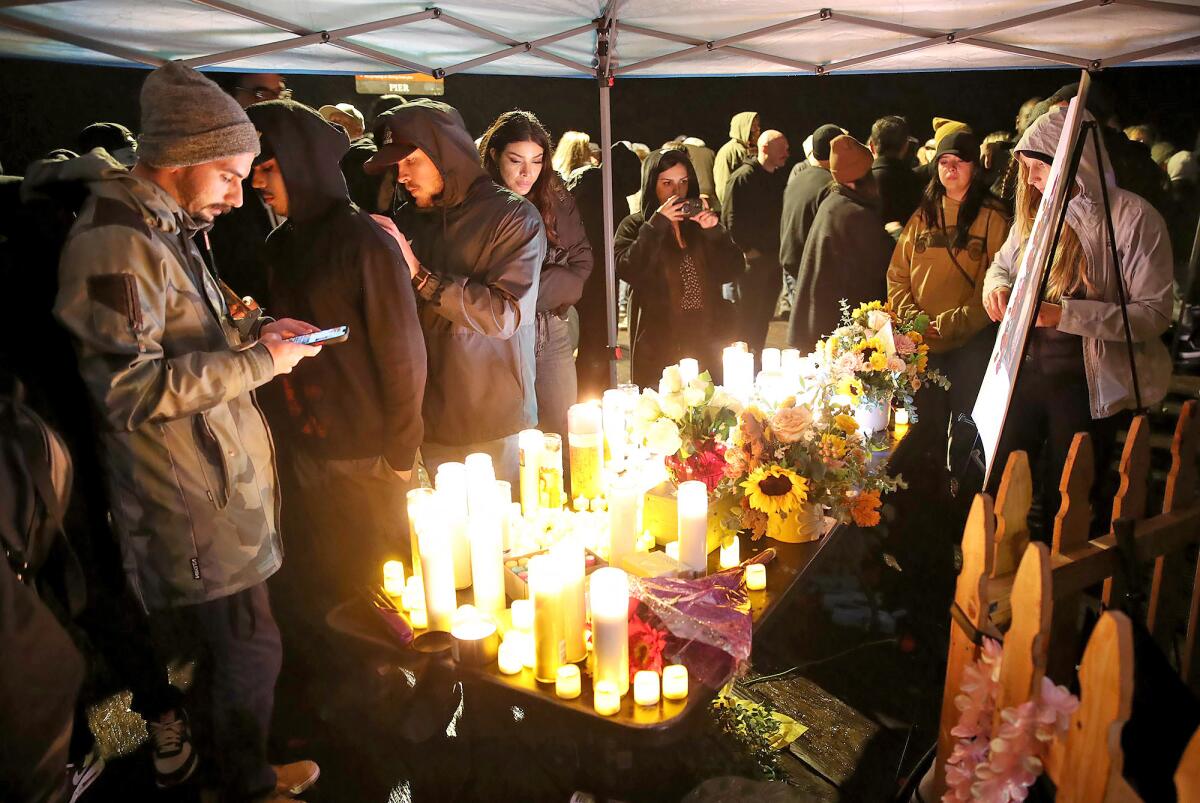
[[865, 509]]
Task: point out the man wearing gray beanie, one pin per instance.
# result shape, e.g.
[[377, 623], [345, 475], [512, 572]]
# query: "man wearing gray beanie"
[[171, 357]]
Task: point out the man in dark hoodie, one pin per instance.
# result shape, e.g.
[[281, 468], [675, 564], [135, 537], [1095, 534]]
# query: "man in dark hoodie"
[[475, 255], [807, 186], [847, 251], [354, 417], [899, 187]]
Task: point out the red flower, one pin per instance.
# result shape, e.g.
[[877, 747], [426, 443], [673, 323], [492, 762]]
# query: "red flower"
[[646, 645]]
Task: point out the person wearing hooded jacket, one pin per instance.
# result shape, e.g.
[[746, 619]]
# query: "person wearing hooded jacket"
[[475, 257], [744, 130], [675, 266], [807, 186], [354, 416], [1076, 375], [847, 250]]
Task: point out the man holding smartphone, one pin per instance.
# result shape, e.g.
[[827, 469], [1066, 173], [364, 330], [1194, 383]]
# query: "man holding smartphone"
[[353, 416]]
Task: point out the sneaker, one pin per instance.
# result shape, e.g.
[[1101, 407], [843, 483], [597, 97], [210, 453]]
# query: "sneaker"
[[292, 779], [174, 758], [84, 774]]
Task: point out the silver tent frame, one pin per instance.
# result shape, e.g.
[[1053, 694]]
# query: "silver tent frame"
[[606, 65]]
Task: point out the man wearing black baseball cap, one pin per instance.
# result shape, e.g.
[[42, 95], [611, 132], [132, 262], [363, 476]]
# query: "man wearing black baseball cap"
[[807, 186], [474, 250]]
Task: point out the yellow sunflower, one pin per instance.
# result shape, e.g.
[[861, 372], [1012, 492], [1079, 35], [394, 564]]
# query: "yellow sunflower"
[[775, 490], [850, 386], [846, 423]]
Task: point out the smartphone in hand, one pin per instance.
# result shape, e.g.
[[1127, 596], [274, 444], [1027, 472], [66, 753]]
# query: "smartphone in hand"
[[338, 334]]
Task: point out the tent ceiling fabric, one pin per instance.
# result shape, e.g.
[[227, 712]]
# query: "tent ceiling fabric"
[[653, 38]]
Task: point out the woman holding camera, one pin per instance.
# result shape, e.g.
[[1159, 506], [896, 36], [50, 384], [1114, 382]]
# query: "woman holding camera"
[[675, 255]]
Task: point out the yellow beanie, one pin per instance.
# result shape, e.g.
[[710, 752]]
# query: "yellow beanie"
[[944, 126]]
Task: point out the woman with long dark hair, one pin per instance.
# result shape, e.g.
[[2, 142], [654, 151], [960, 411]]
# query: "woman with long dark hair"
[[939, 265], [515, 151]]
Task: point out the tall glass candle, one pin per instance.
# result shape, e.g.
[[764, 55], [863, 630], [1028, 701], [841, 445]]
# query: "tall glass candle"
[[772, 359], [789, 363], [692, 500], [624, 518], [487, 558], [545, 588], [393, 578], [738, 371], [418, 500], [550, 472], [568, 554], [689, 369], [613, 404], [481, 482], [585, 437], [529, 444], [437, 569], [610, 626], [451, 484]]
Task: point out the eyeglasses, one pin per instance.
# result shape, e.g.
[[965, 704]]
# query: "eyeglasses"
[[266, 93]]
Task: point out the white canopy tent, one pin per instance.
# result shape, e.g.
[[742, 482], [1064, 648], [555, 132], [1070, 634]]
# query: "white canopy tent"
[[626, 38]]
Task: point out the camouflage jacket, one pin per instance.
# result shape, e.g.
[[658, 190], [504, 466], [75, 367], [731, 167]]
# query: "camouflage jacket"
[[189, 459]]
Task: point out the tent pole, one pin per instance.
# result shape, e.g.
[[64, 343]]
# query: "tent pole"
[[610, 261]]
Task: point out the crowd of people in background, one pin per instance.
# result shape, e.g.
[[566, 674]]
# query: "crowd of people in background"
[[179, 262]]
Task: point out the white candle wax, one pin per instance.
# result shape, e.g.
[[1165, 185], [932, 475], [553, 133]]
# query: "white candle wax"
[[568, 555], [606, 698], [451, 484], [487, 560], [756, 576], [613, 403], [437, 570], [645, 687], [689, 369], [609, 596], [585, 439], [692, 500], [414, 593], [675, 682], [418, 500], [646, 542], [772, 359], [510, 656], [790, 362], [393, 578], [545, 588], [481, 482], [902, 418], [624, 518], [567, 684], [731, 553], [418, 618], [672, 550], [522, 615], [529, 444]]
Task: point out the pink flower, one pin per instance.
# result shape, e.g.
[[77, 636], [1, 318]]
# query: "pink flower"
[[905, 345]]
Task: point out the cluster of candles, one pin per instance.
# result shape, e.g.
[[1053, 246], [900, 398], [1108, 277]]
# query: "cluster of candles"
[[781, 375]]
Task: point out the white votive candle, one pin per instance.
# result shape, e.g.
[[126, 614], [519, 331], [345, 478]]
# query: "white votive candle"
[[902, 418], [419, 618], [522, 615], [675, 682], [414, 594], [756, 576], [605, 698], [645, 687], [529, 445], [731, 553], [772, 360], [510, 656], [689, 369], [393, 578], [672, 550], [693, 524], [567, 683]]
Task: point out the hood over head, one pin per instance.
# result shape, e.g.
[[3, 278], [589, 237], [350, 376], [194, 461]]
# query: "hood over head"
[[437, 129], [1041, 140], [309, 151], [653, 166], [740, 125]]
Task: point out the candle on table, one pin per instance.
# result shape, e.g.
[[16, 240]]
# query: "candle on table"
[[738, 373], [487, 555], [624, 518], [646, 542], [545, 588], [510, 656], [417, 500], [675, 682], [550, 472], [613, 404], [731, 553], [529, 445], [689, 369], [580, 505], [645, 687], [790, 362], [567, 684], [606, 699], [451, 484], [481, 481], [610, 626], [902, 418], [393, 578], [585, 437], [756, 576], [522, 615], [672, 550], [418, 618], [414, 594], [772, 360], [692, 501], [568, 555], [437, 569], [475, 640]]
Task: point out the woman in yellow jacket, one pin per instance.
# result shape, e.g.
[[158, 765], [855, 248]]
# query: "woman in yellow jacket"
[[938, 269]]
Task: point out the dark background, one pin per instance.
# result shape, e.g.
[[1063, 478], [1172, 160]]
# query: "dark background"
[[45, 104]]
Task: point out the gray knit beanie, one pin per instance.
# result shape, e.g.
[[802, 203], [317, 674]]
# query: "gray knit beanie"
[[188, 120]]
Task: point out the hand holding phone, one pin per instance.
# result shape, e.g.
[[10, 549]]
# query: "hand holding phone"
[[338, 334]]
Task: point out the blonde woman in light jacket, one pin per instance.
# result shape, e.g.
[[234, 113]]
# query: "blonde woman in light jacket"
[[1076, 375]]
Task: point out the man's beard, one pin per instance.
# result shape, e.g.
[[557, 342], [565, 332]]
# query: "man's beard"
[[209, 213]]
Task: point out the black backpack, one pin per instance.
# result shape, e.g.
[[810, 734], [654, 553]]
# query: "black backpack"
[[35, 485]]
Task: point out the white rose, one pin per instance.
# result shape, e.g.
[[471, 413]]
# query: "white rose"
[[662, 438], [701, 381], [647, 408], [673, 406], [693, 397], [672, 380], [721, 398], [877, 319]]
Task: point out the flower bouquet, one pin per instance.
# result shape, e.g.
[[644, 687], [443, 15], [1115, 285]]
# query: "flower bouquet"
[[875, 358], [785, 468], [686, 423]]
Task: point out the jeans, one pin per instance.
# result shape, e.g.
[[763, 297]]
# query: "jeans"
[[238, 653], [504, 452], [556, 385]]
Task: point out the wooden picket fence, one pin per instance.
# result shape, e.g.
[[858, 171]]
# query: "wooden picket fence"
[[1036, 595]]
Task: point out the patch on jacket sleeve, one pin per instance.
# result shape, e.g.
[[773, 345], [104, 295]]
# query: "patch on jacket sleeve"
[[118, 292]]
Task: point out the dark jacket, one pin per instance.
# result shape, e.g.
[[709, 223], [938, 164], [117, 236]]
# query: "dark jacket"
[[483, 247], [364, 189], [237, 239], [845, 257], [807, 186], [899, 189], [569, 263], [754, 207], [648, 258], [330, 265]]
